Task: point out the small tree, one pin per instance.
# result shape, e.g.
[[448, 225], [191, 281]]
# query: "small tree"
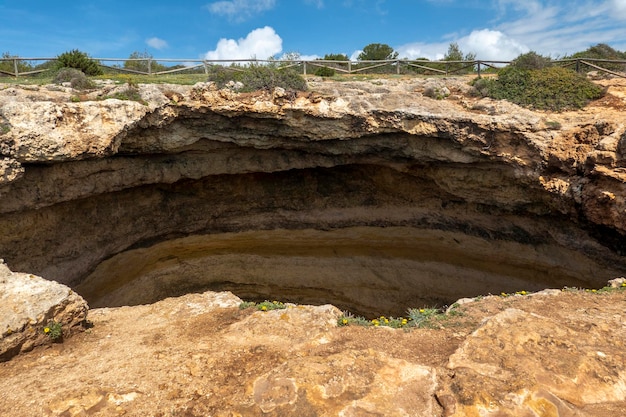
[[336, 57], [603, 51], [377, 52], [9, 66], [80, 61], [143, 62], [455, 54]]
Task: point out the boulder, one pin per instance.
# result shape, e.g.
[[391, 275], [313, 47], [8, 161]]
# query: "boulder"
[[35, 311]]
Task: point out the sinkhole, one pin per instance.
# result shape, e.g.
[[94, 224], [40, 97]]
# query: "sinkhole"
[[364, 270]]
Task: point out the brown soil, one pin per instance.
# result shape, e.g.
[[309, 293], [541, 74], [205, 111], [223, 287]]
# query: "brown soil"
[[167, 359]]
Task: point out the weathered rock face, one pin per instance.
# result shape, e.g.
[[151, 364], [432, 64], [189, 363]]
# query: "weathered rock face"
[[28, 304], [366, 195]]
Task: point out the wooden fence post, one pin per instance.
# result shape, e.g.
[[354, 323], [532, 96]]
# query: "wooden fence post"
[[15, 67], [304, 67], [149, 66], [478, 68]]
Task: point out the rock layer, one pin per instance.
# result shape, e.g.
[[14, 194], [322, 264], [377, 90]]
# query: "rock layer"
[[347, 192]]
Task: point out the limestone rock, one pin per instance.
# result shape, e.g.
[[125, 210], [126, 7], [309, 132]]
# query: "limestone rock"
[[10, 170], [28, 304], [518, 363]]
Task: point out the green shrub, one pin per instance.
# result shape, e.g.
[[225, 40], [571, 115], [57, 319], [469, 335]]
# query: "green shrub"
[[259, 77], [531, 60], [325, 72], [79, 60], [551, 88], [76, 78]]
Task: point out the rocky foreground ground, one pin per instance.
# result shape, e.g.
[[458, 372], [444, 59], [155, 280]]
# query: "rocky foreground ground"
[[552, 353]]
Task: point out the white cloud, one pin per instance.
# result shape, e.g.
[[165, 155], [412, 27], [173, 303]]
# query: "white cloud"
[[546, 27], [239, 10], [261, 43], [487, 44], [156, 43], [491, 44], [618, 9]]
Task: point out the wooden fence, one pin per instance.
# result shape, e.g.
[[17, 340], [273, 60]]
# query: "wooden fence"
[[153, 66]]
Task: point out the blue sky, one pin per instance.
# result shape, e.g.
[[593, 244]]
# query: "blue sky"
[[222, 29]]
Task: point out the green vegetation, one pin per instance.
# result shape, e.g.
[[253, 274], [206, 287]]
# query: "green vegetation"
[[377, 52], [416, 318], [551, 88], [75, 77], [336, 57], [79, 60], [531, 61], [54, 330], [264, 306], [325, 72], [143, 62], [602, 51], [258, 77], [9, 66], [455, 54]]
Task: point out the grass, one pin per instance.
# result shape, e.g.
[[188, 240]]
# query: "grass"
[[431, 318], [263, 306]]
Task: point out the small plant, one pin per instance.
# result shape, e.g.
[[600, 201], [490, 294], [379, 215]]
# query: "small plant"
[[325, 72], [264, 306], [54, 330], [422, 317], [553, 125], [131, 93], [4, 128], [270, 305], [246, 304]]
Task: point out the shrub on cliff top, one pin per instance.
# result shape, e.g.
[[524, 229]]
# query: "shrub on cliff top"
[[79, 60], [259, 77], [551, 88], [76, 78]]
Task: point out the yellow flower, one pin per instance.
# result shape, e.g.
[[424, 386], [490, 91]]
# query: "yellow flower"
[[344, 321], [375, 322], [404, 322], [422, 310], [594, 290], [263, 308], [623, 284], [523, 292], [503, 294], [46, 330]]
